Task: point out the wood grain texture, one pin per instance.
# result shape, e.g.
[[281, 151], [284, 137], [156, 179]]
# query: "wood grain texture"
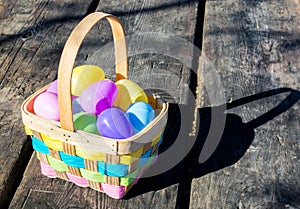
[[38, 191], [254, 45], [32, 36], [173, 18]]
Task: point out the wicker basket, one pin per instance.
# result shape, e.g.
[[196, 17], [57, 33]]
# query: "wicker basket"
[[107, 165]]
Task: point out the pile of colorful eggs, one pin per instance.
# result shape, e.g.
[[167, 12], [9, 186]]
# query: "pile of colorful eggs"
[[100, 106]]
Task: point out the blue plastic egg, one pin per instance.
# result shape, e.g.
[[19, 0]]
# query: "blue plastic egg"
[[140, 114]]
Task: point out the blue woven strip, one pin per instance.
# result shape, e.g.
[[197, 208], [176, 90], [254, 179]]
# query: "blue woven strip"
[[71, 160], [144, 158], [39, 146], [101, 167], [118, 170]]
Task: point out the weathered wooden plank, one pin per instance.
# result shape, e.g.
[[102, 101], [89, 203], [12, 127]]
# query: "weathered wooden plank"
[[173, 18], [254, 46], [39, 191], [170, 17], [32, 37]]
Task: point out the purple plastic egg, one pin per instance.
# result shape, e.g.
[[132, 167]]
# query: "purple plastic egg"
[[113, 123], [46, 106], [53, 87], [76, 107], [98, 96]]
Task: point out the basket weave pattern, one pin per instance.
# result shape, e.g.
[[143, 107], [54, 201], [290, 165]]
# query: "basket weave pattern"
[[107, 165]]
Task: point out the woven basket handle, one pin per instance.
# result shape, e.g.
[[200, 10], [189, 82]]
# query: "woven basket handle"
[[69, 54]]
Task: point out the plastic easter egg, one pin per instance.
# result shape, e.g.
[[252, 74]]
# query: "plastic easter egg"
[[128, 93], [85, 122], [53, 88], [98, 96], [113, 123], [46, 106], [83, 76], [140, 114], [76, 107], [73, 97]]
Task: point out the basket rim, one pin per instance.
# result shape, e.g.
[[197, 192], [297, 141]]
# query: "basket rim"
[[64, 129], [25, 114]]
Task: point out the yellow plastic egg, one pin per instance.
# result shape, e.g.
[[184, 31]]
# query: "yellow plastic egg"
[[128, 93], [83, 76]]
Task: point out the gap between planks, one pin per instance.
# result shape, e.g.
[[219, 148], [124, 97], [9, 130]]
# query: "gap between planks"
[[184, 190]]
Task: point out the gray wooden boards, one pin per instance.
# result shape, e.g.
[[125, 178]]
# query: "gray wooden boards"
[[32, 36], [170, 17], [254, 46], [38, 191]]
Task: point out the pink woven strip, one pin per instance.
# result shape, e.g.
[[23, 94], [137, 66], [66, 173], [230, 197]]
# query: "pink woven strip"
[[47, 170], [113, 191], [78, 180]]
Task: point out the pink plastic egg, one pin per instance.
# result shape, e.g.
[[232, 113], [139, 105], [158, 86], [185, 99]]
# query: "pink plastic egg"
[[46, 106], [98, 96]]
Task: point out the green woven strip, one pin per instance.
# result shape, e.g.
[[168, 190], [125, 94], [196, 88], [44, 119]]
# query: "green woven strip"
[[127, 180], [92, 176], [124, 181], [57, 164]]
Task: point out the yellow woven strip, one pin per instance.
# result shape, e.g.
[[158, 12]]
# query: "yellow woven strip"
[[90, 155], [128, 159], [124, 159], [28, 130], [53, 144]]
